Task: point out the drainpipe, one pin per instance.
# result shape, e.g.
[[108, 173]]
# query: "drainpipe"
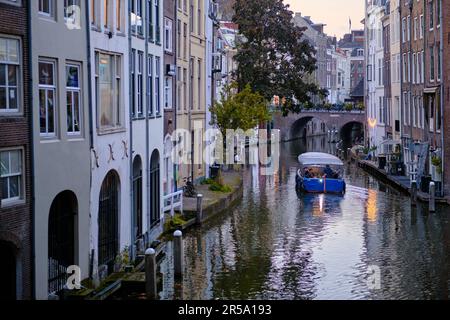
[[175, 85], [90, 107], [31, 151], [441, 49], [130, 124], [401, 102], [147, 124], [411, 5]]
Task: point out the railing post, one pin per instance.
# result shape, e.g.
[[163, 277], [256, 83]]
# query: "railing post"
[[178, 253], [414, 193], [150, 273], [432, 203], [199, 217]]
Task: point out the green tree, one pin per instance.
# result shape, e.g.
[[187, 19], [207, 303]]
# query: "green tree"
[[242, 110], [273, 57]]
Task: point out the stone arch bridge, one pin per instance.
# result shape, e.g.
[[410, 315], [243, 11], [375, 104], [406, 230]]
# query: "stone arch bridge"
[[343, 122]]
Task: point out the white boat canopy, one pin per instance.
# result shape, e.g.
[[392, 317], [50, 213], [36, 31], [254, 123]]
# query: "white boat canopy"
[[319, 159]]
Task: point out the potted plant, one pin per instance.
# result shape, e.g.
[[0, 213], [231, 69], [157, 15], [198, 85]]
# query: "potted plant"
[[436, 172]]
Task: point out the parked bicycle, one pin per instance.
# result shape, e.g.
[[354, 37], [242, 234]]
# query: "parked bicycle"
[[189, 188]]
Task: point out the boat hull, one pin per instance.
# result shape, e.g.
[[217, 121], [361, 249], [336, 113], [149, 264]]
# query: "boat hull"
[[319, 185]]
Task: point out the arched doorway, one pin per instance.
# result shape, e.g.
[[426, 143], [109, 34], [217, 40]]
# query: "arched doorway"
[[137, 197], [61, 239], [108, 221], [154, 189], [7, 272], [168, 166]]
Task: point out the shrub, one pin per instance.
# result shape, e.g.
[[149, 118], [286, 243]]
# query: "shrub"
[[216, 187]]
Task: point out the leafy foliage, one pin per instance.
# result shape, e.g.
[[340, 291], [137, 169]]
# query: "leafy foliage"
[[273, 57], [243, 110]]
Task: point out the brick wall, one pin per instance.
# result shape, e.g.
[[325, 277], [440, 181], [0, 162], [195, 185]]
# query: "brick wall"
[[15, 221]]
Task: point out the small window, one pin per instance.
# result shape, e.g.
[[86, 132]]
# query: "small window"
[[73, 98], [11, 175], [47, 98], [47, 8], [168, 35]]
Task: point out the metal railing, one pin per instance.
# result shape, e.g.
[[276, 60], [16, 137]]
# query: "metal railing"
[[173, 201]]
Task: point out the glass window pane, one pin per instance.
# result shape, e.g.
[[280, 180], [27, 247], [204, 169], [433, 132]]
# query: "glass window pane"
[[42, 111], [3, 53], [106, 90], [4, 163], [72, 76], [13, 50], [12, 75], [15, 162], [50, 110], [13, 98], [2, 98], [45, 73], [76, 115], [14, 187], [4, 182], [69, 112], [2, 74]]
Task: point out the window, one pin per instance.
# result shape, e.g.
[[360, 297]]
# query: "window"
[[408, 27], [47, 98], [179, 88], [414, 68], [185, 41], [191, 16], [150, 30], [136, 17], [431, 10], [11, 175], [167, 92], [133, 82], [179, 38], [150, 84], [94, 12], [438, 13], [199, 83], [119, 16], [106, 14], [168, 35], [157, 23], [438, 62], [108, 71], [422, 26], [157, 85], [140, 74], [185, 91], [191, 83], [9, 75], [416, 28], [47, 8], [199, 17], [73, 99], [404, 30], [431, 63]]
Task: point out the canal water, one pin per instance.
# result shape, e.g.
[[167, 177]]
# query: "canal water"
[[276, 244]]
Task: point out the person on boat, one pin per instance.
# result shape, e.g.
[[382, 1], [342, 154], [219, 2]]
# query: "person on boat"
[[307, 173], [329, 173]]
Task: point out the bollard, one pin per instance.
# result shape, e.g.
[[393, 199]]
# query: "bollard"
[[178, 253], [150, 273], [199, 217], [432, 203], [413, 193]]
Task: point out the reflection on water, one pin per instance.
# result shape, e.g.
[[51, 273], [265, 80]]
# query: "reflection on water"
[[278, 245]]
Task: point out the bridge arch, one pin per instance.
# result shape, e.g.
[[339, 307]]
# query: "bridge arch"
[[351, 130], [298, 128]]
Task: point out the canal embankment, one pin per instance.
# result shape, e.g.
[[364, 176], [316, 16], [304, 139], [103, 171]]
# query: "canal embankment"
[[400, 183]]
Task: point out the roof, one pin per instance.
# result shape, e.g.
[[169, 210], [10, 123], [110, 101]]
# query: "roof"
[[319, 158]]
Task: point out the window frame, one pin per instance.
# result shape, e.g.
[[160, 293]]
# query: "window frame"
[[47, 88], [51, 14], [7, 202], [73, 90], [19, 79]]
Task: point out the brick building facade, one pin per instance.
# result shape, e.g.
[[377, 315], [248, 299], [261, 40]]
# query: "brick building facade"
[[15, 153]]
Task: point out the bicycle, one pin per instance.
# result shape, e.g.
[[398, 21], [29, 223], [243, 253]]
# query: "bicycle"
[[189, 188]]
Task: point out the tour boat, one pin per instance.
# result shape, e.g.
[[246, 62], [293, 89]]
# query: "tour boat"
[[320, 173]]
